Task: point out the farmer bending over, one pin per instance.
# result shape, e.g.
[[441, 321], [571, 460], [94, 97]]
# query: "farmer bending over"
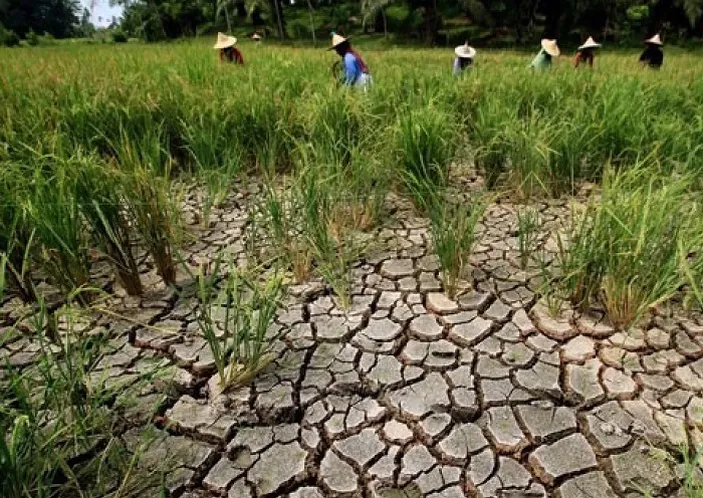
[[586, 53], [653, 55], [228, 52], [464, 58], [355, 71], [543, 60]]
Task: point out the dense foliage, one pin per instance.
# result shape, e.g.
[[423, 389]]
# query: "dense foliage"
[[432, 21], [429, 21], [56, 17]]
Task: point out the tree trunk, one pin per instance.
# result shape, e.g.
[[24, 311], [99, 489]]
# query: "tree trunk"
[[430, 21], [278, 11], [312, 23], [385, 23], [229, 24]]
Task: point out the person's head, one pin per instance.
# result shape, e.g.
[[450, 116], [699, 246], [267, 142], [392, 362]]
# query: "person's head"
[[342, 48], [587, 52], [340, 44]]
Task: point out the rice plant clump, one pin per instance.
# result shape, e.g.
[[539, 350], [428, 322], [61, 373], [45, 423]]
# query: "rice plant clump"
[[236, 319], [629, 249]]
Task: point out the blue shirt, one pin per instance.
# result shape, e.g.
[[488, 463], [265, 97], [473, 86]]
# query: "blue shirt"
[[352, 69]]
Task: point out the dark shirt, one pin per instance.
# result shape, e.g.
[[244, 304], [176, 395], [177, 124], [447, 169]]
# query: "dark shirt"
[[231, 55], [584, 57], [653, 56]]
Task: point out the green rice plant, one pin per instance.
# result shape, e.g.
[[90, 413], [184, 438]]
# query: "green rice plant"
[[326, 225], [453, 229], [625, 250], [62, 241], [426, 142], [16, 244], [236, 320], [365, 184], [59, 434], [692, 482], [279, 217], [155, 217], [102, 203], [217, 157], [527, 232]]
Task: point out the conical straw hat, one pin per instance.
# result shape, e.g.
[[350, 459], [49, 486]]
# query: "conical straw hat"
[[655, 40], [551, 47], [256, 36], [337, 40], [590, 43], [224, 41], [465, 51]]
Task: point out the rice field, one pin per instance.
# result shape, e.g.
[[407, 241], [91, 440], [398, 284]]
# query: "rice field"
[[195, 256]]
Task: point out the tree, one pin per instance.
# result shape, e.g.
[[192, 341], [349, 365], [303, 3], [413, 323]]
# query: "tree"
[[86, 29], [370, 9], [693, 9], [159, 19], [56, 17], [272, 10]]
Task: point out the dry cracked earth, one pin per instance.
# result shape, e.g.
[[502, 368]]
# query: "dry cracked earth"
[[486, 396]]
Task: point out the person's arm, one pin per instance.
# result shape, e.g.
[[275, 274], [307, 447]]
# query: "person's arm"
[[351, 70], [577, 59], [238, 57], [457, 66]]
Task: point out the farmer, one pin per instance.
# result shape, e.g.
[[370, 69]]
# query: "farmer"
[[257, 39], [464, 58], [355, 72], [228, 52], [586, 53], [543, 60], [653, 55]]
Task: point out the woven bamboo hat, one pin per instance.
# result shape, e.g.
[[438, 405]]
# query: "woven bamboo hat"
[[256, 36], [655, 40], [551, 47], [465, 51], [337, 40], [224, 41], [590, 43]]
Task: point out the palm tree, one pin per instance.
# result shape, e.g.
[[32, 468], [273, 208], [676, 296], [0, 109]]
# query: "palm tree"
[[371, 8], [272, 8], [693, 10]]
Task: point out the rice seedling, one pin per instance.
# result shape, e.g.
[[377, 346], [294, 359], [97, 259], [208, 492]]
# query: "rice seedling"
[[426, 141], [527, 232], [453, 228], [156, 218], [15, 247], [236, 320], [279, 217], [59, 436], [103, 206], [625, 250], [62, 242]]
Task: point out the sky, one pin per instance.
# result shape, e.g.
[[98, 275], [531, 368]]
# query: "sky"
[[102, 9]]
